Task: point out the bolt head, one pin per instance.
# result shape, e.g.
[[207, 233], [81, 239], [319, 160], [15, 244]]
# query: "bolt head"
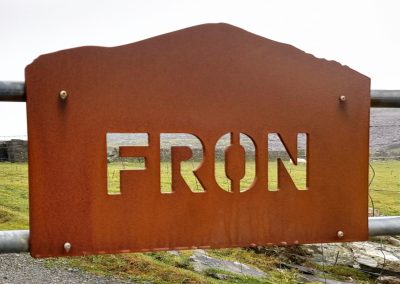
[[340, 234], [342, 98], [63, 94], [67, 247]]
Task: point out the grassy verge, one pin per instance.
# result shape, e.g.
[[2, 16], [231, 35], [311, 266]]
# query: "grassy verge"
[[163, 267], [13, 196], [385, 186]]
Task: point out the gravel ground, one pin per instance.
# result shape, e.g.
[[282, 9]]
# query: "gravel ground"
[[22, 268]]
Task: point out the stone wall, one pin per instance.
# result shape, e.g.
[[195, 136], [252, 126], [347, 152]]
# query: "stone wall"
[[14, 151], [3, 151]]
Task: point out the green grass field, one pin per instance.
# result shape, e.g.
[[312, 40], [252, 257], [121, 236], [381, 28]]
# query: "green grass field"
[[385, 186], [13, 196], [162, 267], [298, 173]]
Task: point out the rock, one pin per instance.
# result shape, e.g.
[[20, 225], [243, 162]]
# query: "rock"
[[334, 253], [367, 261], [219, 276], [300, 268], [371, 257], [173, 252], [200, 252], [394, 241], [388, 280], [386, 258], [201, 262], [313, 279], [308, 274]]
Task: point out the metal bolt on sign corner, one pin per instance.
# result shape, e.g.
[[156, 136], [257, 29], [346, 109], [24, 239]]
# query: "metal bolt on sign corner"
[[340, 234], [342, 98]]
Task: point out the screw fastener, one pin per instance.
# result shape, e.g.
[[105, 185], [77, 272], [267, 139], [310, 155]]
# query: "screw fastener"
[[342, 98], [340, 234], [67, 247], [63, 94]]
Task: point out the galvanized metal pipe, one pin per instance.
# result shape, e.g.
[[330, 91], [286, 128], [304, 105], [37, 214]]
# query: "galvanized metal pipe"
[[384, 226], [14, 241], [12, 91], [385, 98]]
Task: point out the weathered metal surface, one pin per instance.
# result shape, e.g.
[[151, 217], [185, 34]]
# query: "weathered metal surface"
[[206, 80]]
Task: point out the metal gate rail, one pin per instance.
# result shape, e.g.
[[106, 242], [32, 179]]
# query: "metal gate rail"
[[12, 91], [15, 92]]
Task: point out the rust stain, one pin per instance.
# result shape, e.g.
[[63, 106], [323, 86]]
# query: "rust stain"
[[206, 80]]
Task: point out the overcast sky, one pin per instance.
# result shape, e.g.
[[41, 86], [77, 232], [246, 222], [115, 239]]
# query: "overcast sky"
[[364, 35]]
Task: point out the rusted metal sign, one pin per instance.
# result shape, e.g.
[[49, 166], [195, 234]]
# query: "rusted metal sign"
[[206, 81]]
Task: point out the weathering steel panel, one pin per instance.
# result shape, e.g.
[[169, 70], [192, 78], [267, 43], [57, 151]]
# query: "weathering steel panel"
[[206, 80]]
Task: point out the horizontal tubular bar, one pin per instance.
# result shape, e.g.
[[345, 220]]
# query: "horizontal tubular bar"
[[12, 91], [14, 241], [15, 92], [384, 226], [385, 98], [18, 241]]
